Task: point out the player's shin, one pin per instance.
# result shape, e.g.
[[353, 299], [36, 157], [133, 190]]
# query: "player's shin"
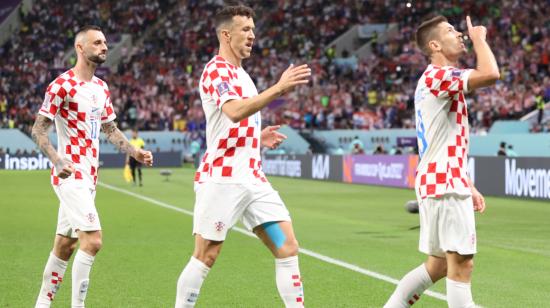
[[190, 282], [410, 288], [51, 281], [289, 282], [82, 265]]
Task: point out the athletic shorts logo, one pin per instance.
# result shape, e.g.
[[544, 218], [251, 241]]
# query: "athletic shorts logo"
[[219, 226]]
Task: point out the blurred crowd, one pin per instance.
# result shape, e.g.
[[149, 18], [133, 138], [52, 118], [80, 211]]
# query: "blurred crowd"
[[35, 55], [155, 86]]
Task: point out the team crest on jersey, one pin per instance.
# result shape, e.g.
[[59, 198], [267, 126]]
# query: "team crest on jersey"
[[223, 88], [219, 226]]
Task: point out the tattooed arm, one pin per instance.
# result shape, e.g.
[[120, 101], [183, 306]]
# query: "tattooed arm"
[[116, 137], [40, 128]]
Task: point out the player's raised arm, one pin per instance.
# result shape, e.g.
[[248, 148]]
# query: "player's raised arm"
[[239, 109], [486, 73], [40, 136], [116, 137]]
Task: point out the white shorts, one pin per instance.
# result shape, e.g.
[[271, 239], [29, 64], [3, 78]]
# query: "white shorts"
[[218, 207], [76, 209], [447, 224]]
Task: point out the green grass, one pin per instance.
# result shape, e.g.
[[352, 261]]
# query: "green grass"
[[146, 246]]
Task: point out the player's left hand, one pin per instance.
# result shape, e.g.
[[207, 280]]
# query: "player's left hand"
[[271, 138], [144, 157], [479, 200]]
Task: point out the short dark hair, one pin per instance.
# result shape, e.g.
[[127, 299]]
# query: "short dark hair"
[[87, 28], [226, 14], [425, 33]]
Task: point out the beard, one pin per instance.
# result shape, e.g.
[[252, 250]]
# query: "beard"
[[96, 59]]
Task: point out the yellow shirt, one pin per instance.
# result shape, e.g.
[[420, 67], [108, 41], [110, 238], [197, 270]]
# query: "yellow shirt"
[[137, 143]]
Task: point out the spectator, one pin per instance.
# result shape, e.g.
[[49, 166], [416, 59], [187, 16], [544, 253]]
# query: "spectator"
[[502, 149], [510, 151], [380, 150]]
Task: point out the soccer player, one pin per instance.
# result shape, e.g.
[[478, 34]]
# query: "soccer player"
[[137, 143], [447, 197], [230, 184], [79, 104]]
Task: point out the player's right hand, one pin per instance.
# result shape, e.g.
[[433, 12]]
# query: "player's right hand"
[[477, 32], [293, 76], [64, 168]]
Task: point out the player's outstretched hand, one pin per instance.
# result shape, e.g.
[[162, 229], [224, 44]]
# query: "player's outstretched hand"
[[477, 32], [293, 76], [64, 168], [144, 157], [479, 201], [271, 138]]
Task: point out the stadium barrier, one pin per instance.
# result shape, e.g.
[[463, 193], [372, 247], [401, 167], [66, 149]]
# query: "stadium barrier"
[[107, 160], [521, 177]]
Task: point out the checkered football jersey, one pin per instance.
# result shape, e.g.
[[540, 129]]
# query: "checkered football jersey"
[[442, 132], [233, 149], [78, 109]]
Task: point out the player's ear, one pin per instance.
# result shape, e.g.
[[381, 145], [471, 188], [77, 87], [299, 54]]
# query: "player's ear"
[[226, 35], [434, 46]]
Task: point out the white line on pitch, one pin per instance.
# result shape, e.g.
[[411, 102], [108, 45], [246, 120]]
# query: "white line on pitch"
[[304, 251]]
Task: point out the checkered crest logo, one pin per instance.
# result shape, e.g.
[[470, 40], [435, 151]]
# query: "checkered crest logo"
[[219, 226], [91, 217]]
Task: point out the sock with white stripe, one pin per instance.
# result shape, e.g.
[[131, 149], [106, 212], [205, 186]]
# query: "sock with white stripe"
[[459, 294], [410, 288], [289, 283], [82, 265], [190, 282], [51, 280]]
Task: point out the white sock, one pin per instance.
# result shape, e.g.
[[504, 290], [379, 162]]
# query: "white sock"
[[410, 288], [82, 265], [51, 280], [289, 283], [459, 294], [190, 282]]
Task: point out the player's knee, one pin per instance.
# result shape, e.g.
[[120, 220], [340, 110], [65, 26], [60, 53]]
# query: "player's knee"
[[69, 249], [207, 257], [467, 266], [289, 249], [93, 245], [65, 250]]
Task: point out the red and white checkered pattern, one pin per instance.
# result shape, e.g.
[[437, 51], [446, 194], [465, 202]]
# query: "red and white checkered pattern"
[[440, 100], [56, 282], [233, 149], [78, 109], [297, 283]]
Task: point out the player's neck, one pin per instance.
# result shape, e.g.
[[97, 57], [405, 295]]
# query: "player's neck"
[[441, 60], [229, 56], [85, 70]]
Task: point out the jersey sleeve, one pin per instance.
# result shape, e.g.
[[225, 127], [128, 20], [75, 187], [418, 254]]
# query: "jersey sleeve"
[[108, 113], [53, 99], [219, 83], [447, 81]]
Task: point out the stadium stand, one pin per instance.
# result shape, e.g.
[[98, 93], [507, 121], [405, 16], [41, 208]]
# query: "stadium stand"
[[155, 86]]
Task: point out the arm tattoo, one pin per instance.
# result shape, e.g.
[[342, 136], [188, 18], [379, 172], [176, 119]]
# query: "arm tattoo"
[[116, 137], [40, 137]]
